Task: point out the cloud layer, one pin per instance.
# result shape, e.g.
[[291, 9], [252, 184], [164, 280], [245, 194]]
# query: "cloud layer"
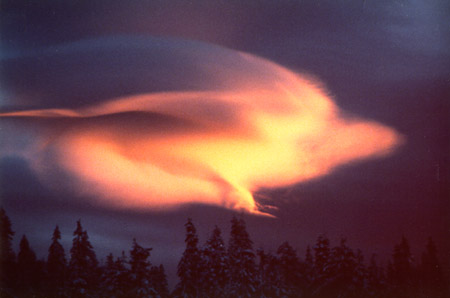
[[226, 125]]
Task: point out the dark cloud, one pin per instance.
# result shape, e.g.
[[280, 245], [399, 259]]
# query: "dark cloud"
[[86, 72], [132, 123]]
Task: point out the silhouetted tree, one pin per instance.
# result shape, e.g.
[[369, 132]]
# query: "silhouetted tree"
[[308, 267], [359, 277], [140, 278], [403, 263], [115, 281], [322, 254], [289, 270], [375, 279], [401, 271], [189, 267], [431, 278], [216, 272], [7, 256], [159, 279], [109, 277], [321, 274], [122, 282], [242, 277], [29, 270], [56, 263], [216, 269], [269, 283], [83, 265], [340, 270]]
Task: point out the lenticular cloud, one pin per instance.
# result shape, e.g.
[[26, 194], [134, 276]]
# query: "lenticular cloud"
[[157, 123]]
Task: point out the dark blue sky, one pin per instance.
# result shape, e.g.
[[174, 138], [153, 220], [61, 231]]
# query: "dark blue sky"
[[384, 60]]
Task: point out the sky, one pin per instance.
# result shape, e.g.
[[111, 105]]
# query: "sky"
[[303, 117]]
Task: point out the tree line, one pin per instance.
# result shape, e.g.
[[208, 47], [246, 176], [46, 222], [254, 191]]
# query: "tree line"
[[216, 270]]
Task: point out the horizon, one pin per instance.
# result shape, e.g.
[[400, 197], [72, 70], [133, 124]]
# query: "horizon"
[[381, 260]]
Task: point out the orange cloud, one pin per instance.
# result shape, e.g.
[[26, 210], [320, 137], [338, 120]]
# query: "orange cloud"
[[264, 127]]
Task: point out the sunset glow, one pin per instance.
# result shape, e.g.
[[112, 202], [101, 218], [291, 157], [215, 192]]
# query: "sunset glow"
[[264, 127]]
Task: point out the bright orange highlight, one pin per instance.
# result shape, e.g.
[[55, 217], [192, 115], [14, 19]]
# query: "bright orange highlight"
[[268, 128]]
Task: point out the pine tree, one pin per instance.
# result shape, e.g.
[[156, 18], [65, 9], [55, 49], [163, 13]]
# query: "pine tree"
[[6, 252], [269, 283], [159, 279], [289, 270], [242, 268], [342, 266], [322, 254], [322, 268], [190, 267], [116, 277], [27, 266], [109, 277], [375, 279], [403, 264], [359, 276], [83, 265], [141, 283], [215, 260], [7, 255], [401, 271], [123, 280], [56, 262], [309, 267], [431, 277]]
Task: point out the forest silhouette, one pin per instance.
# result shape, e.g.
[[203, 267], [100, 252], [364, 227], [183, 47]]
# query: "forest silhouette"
[[216, 269]]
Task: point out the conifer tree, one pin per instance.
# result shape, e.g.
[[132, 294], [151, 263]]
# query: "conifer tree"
[[83, 265], [321, 273], [269, 283], [215, 260], [116, 277], [28, 268], [56, 262], [322, 254], [190, 267], [359, 276], [375, 279], [123, 282], [431, 277], [159, 280], [402, 264], [401, 271], [309, 267], [242, 268], [109, 276], [6, 251], [7, 255], [141, 283], [289, 270], [342, 269]]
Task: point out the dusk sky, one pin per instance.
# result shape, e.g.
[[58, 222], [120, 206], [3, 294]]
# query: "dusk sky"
[[303, 117]]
